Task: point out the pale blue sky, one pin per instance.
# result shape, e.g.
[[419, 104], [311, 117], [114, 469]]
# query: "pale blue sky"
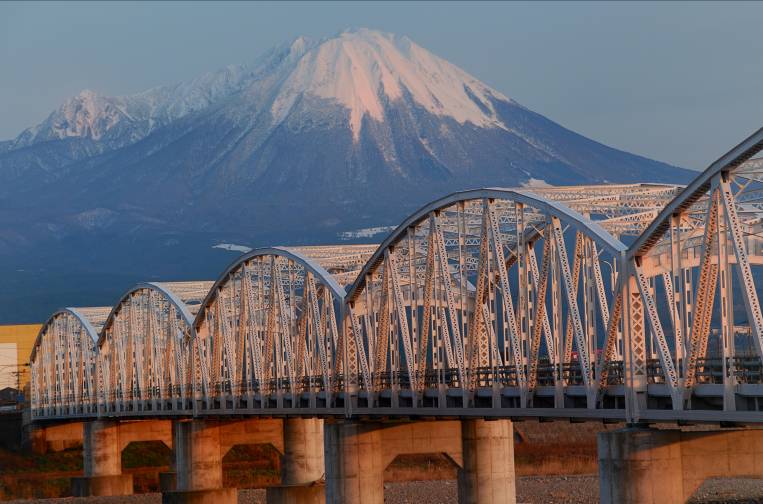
[[677, 82]]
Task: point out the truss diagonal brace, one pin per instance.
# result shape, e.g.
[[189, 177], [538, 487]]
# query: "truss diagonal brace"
[[750, 294]]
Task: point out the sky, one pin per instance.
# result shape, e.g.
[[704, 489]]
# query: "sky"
[[676, 82]]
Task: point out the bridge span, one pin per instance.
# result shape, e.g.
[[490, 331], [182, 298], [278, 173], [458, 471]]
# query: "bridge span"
[[633, 303]]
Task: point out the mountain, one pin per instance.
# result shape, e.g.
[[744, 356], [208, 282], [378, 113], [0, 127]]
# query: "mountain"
[[312, 140]]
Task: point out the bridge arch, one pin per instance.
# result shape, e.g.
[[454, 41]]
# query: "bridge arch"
[[681, 277], [269, 323], [63, 362], [145, 348], [417, 325]]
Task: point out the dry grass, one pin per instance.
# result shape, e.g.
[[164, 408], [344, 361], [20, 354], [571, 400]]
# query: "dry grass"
[[530, 459], [535, 459]]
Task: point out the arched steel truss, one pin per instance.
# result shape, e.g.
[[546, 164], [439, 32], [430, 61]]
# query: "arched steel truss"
[[489, 303], [145, 348], [268, 331], [63, 360], [463, 305], [701, 258]]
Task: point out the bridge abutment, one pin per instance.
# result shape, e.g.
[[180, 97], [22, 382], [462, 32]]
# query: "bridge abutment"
[[640, 465], [103, 462]]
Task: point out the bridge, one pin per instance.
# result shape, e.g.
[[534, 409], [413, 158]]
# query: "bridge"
[[634, 303]]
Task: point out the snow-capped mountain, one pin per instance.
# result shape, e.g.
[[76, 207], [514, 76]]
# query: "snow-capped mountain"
[[90, 123], [310, 141], [364, 70]]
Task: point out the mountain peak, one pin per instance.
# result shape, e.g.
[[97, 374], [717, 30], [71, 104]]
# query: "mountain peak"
[[362, 69], [86, 94], [272, 151]]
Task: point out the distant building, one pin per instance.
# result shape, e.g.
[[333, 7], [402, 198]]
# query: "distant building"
[[16, 343], [8, 395]]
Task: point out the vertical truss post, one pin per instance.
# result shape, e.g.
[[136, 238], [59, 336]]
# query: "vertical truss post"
[[676, 289], [746, 279], [458, 342], [523, 324], [589, 297], [574, 313], [727, 309], [558, 326], [671, 377], [635, 350], [508, 309], [479, 351]]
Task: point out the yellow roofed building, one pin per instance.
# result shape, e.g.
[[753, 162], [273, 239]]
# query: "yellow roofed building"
[[16, 343]]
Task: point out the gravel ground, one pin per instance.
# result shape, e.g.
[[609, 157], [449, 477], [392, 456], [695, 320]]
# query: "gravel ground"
[[530, 490], [541, 490]]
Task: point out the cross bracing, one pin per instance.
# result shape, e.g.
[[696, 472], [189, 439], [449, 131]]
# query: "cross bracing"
[[491, 303]]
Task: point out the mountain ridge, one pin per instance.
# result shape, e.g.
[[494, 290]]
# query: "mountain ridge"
[[310, 141]]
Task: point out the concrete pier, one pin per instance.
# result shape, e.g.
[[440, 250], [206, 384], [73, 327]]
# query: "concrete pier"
[[640, 465], [103, 462], [358, 452], [354, 463], [487, 473], [302, 464], [199, 465]]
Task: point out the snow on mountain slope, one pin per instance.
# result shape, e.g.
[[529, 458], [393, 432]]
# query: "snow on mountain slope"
[[93, 116], [312, 138], [360, 69]]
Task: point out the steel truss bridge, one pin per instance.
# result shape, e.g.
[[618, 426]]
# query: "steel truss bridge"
[[633, 302]]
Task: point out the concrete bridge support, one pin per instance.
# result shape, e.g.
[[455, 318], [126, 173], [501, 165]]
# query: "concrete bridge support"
[[354, 463], [55, 438], [302, 466], [102, 445], [487, 473], [103, 462], [199, 448], [199, 464], [639, 465], [358, 452]]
